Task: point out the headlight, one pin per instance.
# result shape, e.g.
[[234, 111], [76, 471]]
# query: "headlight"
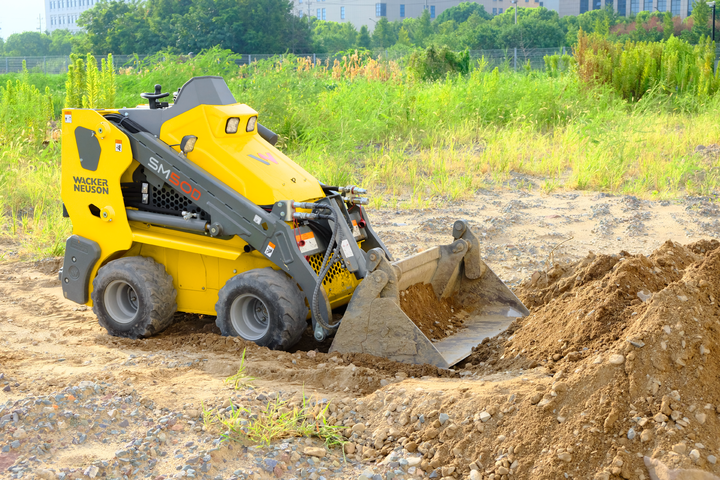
[[232, 125], [251, 124]]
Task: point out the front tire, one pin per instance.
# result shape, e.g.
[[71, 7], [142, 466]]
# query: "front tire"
[[263, 306], [134, 297]]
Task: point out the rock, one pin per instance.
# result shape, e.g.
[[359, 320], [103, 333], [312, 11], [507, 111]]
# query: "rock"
[[349, 448], [312, 353], [358, 428], [46, 474], [695, 455], [447, 471], [414, 461], [646, 435], [665, 405], [411, 447], [660, 417], [631, 434], [535, 399], [616, 359], [610, 420], [565, 457], [712, 459], [315, 452], [91, 471], [20, 434], [679, 448], [475, 475], [700, 417], [485, 416], [444, 417], [430, 433], [502, 471], [560, 387], [602, 476]]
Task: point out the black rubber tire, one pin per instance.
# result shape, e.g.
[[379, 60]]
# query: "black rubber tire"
[[284, 307], [153, 292]]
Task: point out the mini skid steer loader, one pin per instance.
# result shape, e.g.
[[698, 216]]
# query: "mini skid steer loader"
[[189, 207]]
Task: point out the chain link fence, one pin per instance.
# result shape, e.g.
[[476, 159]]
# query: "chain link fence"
[[517, 58]]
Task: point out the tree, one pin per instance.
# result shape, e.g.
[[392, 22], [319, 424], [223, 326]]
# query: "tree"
[[461, 12], [60, 42], [668, 25], [422, 28], [363, 38], [27, 44], [701, 19], [115, 26], [404, 38], [382, 36], [2, 46]]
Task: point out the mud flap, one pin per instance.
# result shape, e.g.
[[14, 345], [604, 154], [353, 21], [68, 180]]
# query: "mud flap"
[[375, 324]]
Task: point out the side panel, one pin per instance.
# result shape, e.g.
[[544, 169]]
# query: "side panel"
[[91, 193]]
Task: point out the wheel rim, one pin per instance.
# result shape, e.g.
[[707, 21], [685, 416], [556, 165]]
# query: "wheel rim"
[[249, 317], [121, 301]]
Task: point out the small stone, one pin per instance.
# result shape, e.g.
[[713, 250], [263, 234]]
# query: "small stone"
[[502, 471], [535, 399], [679, 448], [475, 475], [312, 353], [646, 435], [700, 417], [315, 451], [616, 359], [695, 454], [349, 448], [444, 417], [660, 417], [411, 446], [414, 461], [485, 416], [358, 428], [565, 457], [123, 424], [46, 474], [631, 434], [20, 433], [447, 471], [602, 476], [91, 471], [712, 459]]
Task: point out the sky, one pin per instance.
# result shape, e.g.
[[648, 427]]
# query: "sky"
[[20, 16]]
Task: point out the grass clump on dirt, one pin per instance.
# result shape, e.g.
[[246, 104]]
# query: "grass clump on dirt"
[[241, 379], [277, 420]]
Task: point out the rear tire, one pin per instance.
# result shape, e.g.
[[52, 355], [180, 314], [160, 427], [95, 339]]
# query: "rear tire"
[[263, 306], [134, 297]]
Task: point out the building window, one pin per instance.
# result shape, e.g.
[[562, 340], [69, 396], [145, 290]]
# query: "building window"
[[300, 13], [689, 8], [324, 13], [541, 4], [402, 11], [598, 4], [500, 10], [342, 13], [662, 5], [494, 11], [675, 8], [634, 7], [381, 9], [319, 16], [648, 5], [432, 11]]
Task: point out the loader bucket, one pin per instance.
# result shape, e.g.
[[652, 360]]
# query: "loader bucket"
[[445, 287]]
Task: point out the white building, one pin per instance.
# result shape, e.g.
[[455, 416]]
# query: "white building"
[[361, 12], [64, 14]]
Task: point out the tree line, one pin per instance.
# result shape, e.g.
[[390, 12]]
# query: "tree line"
[[269, 26]]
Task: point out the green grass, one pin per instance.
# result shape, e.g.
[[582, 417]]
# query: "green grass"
[[241, 379], [275, 421], [414, 144]]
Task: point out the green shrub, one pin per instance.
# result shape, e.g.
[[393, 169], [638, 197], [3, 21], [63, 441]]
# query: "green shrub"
[[88, 87], [435, 63], [24, 110]]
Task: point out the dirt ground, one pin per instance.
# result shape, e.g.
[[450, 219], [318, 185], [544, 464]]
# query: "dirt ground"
[[612, 375]]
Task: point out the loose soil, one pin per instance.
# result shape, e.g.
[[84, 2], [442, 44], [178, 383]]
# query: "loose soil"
[[612, 375], [436, 318]]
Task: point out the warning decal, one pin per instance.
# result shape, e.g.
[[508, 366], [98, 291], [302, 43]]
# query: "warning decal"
[[306, 242], [269, 249], [355, 229], [118, 145], [346, 248]]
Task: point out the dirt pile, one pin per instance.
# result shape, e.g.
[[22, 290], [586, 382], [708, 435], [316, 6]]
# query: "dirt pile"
[[434, 317]]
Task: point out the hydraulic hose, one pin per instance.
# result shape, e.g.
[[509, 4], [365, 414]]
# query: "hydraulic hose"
[[324, 269]]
